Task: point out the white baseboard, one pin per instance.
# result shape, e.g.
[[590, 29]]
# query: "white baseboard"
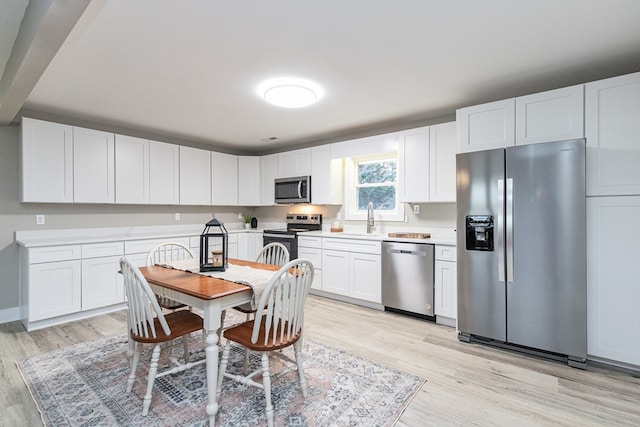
[[9, 314]]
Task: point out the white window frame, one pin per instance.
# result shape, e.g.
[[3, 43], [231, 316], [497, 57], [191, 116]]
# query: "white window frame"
[[351, 213]]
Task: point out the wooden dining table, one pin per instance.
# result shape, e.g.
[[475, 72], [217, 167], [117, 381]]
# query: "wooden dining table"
[[212, 296]]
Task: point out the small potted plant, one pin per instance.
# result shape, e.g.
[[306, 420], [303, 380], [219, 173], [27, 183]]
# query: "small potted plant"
[[247, 220]]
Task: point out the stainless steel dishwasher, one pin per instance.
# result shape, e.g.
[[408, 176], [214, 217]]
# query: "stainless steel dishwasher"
[[407, 277]]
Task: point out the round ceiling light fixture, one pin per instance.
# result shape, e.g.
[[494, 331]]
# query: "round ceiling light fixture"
[[289, 92]]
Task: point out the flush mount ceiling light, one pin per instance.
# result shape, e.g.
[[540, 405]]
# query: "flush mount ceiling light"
[[290, 92]]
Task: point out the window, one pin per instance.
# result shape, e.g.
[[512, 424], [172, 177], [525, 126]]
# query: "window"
[[372, 179]]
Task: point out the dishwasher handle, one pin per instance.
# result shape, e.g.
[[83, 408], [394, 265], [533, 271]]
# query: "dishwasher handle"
[[406, 252]]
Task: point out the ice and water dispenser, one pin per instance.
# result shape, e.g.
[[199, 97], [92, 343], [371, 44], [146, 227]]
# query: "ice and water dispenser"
[[479, 231]]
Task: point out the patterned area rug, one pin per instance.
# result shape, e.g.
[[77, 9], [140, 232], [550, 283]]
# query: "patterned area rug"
[[84, 385]]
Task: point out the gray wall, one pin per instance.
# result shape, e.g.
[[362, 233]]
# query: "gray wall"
[[16, 216]]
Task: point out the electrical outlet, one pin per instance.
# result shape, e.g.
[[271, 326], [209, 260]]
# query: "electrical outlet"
[[39, 219], [416, 209], [177, 216]]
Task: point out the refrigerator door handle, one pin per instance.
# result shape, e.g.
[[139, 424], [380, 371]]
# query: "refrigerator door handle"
[[500, 230], [509, 229]]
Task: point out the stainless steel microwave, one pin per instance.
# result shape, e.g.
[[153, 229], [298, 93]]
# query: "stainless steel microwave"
[[293, 190]]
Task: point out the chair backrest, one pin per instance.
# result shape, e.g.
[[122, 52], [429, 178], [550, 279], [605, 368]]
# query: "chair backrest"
[[141, 301], [166, 252], [282, 302], [274, 253]]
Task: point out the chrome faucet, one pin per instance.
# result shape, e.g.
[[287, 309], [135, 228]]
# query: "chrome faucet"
[[370, 221]]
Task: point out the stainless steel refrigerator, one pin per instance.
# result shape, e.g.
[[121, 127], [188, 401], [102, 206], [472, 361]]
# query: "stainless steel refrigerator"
[[521, 242]]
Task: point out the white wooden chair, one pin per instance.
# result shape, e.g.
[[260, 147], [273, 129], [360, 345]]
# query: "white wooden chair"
[[145, 328], [280, 326], [165, 253]]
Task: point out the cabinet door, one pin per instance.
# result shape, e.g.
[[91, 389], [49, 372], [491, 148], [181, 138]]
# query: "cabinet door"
[[47, 161], [326, 177], [132, 170], [294, 163], [442, 162], [268, 174], [446, 289], [102, 285], [195, 176], [54, 289], [249, 180], [550, 116], [224, 179], [414, 168], [164, 173], [365, 277], [612, 128], [336, 272], [93, 166], [486, 126], [613, 289]]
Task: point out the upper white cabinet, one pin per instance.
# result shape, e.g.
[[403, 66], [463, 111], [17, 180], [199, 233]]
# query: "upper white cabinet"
[[294, 163], [132, 169], [442, 162], [612, 126], [249, 180], [542, 117], [326, 177], [195, 176], [428, 164], [550, 116], [268, 174], [486, 126], [93, 166], [164, 173], [414, 165], [47, 161], [224, 179]]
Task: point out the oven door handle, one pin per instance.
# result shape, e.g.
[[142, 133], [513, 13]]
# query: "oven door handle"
[[280, 236]]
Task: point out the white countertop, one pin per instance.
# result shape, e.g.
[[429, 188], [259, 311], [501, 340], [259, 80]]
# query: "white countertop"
[[36, 238]]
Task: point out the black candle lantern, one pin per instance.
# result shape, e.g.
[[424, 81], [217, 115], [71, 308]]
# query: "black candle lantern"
[[214, 246]]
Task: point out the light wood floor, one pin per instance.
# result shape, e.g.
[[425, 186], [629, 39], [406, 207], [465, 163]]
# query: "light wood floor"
[[467, 384]]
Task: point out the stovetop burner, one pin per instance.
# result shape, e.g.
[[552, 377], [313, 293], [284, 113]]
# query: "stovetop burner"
[[300, 223]]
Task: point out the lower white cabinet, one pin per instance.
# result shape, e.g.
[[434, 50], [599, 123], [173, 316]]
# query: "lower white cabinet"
[[445, 284], [613, 287], [352, 268], [249, 245], [54, 289], [311, 248], [102, 285]]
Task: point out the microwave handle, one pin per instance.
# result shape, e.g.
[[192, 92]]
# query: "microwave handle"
[[300, 189]]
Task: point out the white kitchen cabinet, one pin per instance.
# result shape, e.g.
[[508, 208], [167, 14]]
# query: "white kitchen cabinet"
[[47, 161], [445, 285], [310, 247], [352, 268], [195, 176], [249, 245], [132, 169], [224, 179], [553, 115], [486, 126], [102, 285], [613, 290], [442, 162], [612, 128], [326, 177], [294, 163], [51, 285], [249, 180], [268, 174], [414, 165], [164, 173], [193, 243], [93, 166]]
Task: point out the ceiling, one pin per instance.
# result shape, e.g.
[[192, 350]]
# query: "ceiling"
[[189, 70]]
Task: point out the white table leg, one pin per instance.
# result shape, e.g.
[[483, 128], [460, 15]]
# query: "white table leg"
[[212, 323]]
